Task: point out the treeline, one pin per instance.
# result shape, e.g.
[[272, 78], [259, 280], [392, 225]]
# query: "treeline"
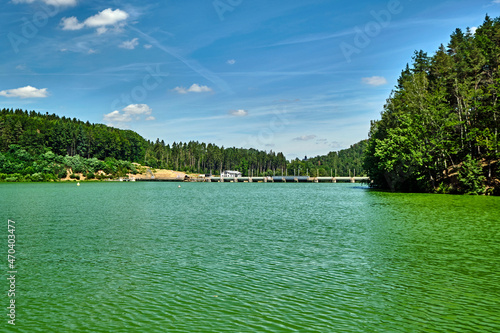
[[439, 127], [209, 158], [38, 132], [346, 162], [43, 147], [24, 133]]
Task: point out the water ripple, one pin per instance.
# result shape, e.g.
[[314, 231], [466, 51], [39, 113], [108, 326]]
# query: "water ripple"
[[278, 258]]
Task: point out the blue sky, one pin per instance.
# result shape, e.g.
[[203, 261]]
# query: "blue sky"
[[300, 77]]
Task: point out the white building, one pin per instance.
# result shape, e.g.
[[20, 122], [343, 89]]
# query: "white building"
[[230, 173]]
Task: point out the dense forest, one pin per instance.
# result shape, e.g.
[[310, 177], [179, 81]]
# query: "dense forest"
[[200, 157], [346, 162], [439, 127], [44, 147], [209, 158]]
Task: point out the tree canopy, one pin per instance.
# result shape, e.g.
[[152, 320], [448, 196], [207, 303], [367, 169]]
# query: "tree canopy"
[[442, 118], [41, 147]]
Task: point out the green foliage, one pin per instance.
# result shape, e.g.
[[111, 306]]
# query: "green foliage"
[[443, 188], [62, 173], [36, 133], [37, 177], [342, 163], [470, 177], [76, 163], [36, 146], [209, 158], [50, 167], [444, 111]]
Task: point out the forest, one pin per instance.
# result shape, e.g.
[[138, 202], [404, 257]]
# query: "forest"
[[346, 162], [209, 158], [438, 131], [46, 147]]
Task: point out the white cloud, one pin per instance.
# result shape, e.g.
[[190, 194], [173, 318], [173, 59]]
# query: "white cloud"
[[101, 21], [60, 2], [473, 29], [496, 1], [117, 117], [130, 44], [25, 92], [137, 109], [128, 114], [196, 88], [71, 23], [374, 81], [231, 61], [239, 113], [148, 46], [101, 30], [56, 3], [106, 17], [305, 138], [180, 90]]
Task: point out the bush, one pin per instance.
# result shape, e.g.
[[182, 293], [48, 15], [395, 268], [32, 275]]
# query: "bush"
[[76, 163], [110, 167], [73, 176], [62, 173], [133, 169], [49, 156], [37, 177], [470, 176], [48, 177], [443, 188], [93, 165]]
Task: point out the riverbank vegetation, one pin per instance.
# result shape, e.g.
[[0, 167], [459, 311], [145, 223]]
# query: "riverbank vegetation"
[[439, 128], [46, 147]]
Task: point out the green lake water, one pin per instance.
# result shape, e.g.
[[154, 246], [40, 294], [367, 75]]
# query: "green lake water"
[[249, 257]]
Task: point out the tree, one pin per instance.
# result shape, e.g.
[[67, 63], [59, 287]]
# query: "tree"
[[470, 176], [442, 114]]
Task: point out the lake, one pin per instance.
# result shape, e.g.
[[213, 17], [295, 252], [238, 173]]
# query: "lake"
[[249, 257]]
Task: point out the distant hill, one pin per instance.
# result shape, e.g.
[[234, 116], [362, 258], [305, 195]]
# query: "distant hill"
[[43, 147], [342, 163]]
